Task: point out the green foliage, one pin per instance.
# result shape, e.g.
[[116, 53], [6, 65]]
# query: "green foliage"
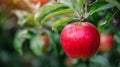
[[46, 12], [100, 60], [37, 45], [61, 21], [109, 17], [115, 3], [50, 19], [23, 16], [19, 39], [98, 6]]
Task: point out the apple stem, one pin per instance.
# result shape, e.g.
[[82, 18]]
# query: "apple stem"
[[80, 17], [79, 23]]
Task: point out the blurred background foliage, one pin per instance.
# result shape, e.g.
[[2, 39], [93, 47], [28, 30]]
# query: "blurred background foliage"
[[31, 56]]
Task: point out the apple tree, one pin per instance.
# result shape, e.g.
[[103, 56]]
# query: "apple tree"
[[67, 33]]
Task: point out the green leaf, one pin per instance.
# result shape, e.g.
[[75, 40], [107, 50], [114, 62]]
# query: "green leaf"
[[98, 6], [30, 20], [117, 37], [22, 21], [80, 7], [81, 3], [105, 24], [46, 12], [78, 4], [20, 37], [75, 4], [23, 17], [109, 17], [115, 3], [65, 11], [36, 45], [27, 21], [61, 21], [67, 2], [101, 60]]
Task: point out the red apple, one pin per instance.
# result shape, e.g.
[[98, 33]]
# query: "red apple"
[[106, 42], [80, 40], [42, 2]]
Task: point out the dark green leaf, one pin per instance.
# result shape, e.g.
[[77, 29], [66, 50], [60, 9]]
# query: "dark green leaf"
[[113, 2], [109, 17], [106, 23], [98, 6]]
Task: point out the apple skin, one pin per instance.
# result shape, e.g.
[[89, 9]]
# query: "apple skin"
[[106, 42], [42, 2], [80, 41]]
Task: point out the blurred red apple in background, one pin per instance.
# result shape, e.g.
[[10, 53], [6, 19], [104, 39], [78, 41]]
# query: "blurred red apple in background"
[[106, 42], [68, 61], [45, 40], [80, 39], [42, 2]]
